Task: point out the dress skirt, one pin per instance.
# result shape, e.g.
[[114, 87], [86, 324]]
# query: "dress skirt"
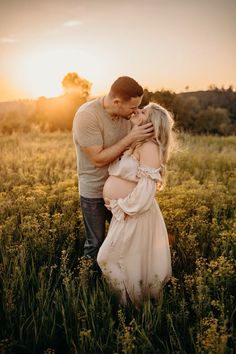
[[135, 256]]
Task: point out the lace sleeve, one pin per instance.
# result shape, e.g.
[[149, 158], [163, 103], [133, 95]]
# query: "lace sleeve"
[[149, 172]]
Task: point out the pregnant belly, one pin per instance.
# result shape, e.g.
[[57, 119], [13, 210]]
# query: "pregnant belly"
[[116, 187]]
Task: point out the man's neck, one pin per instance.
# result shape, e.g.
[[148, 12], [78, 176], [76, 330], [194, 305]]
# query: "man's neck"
[[107, 106]]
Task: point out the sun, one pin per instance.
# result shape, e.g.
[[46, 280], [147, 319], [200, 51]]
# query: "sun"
[[40, 72]]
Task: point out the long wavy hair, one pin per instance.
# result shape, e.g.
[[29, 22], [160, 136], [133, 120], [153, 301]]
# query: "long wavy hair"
[[163, 133]]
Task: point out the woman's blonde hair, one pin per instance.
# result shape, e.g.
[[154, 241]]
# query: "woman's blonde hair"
[[163, 129]]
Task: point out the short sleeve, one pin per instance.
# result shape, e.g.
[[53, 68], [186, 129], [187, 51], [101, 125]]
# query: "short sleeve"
[[86, 129]]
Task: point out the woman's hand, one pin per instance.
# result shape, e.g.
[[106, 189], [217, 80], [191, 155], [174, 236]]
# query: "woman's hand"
[[107, 203]]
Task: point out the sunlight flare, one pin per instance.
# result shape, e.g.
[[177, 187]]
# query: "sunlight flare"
[[40, 73]]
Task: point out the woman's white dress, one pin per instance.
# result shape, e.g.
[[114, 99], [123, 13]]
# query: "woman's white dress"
[[135, 256]]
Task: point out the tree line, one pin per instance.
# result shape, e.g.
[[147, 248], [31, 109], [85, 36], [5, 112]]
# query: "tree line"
[[201, 112]]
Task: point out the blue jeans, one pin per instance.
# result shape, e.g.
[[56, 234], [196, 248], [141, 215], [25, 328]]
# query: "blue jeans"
[[95, 214]]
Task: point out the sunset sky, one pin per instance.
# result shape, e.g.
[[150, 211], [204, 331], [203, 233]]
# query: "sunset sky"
[[166, 44]]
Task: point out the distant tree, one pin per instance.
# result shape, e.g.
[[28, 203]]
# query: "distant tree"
[[164, 97], [200, 112], [14, 121], [213, 87], [230, 89], [213, 121], [185, 110], [58, 112], [74, 84], [216, 97], [146, 98]]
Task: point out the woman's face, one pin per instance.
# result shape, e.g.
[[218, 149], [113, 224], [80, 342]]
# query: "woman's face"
[[140, 117]]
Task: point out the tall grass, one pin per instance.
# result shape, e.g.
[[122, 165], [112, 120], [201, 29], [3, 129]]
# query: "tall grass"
[[51, 301]]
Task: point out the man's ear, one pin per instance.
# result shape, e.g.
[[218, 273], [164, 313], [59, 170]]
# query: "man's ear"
[[116, 101]]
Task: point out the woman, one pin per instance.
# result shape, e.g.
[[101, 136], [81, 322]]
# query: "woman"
[[135, 256]]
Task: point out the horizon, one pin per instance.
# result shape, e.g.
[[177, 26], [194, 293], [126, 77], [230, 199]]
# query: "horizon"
[[96, 96], [190, 44]]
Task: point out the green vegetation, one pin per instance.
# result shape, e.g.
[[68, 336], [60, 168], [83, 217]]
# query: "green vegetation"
[[51, 302], [46, 114], [201, 112]]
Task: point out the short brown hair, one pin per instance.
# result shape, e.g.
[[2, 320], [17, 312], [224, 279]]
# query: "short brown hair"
[[125, 88]]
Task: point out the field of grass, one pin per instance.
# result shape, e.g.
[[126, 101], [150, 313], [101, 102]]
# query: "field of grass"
[[50, 300]]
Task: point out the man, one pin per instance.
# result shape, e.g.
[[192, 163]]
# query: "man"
[[101, 132]]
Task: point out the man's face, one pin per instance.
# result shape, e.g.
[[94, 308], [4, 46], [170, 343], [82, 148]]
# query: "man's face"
[[124, 109]]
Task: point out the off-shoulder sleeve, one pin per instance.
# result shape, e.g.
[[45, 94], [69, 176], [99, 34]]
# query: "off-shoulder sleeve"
[[141, 198], [149, 172]]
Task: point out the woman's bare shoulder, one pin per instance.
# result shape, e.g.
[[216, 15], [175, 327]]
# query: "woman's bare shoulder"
[[150, 154], [149, 146]]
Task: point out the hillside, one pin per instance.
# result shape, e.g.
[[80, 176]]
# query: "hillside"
[[198, 112], [13, 106]]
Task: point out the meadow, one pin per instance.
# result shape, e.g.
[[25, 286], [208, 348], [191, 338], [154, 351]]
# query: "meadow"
[[51, 301]]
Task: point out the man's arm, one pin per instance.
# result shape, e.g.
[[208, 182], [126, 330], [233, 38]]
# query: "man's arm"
[[101, 157]]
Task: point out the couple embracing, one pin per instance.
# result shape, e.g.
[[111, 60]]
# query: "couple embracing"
[[122, 152]]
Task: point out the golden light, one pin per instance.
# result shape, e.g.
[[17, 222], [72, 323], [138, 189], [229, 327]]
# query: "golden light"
[[40, 72]]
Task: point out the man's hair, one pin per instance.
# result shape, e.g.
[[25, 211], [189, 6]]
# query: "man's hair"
[[125, 88]]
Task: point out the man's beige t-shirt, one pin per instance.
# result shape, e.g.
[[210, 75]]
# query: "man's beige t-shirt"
[[92, 125]]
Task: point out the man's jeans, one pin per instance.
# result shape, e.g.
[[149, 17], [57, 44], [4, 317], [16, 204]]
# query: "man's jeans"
[[95, 214]]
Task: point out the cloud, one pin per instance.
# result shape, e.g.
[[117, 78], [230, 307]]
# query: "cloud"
[[8, 40], [72, 23]]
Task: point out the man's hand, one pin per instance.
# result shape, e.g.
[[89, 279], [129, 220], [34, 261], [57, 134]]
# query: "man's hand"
[[141, 132], [101, 157]]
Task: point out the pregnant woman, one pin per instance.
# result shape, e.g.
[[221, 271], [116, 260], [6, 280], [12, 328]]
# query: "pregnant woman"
[[135, 256]]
